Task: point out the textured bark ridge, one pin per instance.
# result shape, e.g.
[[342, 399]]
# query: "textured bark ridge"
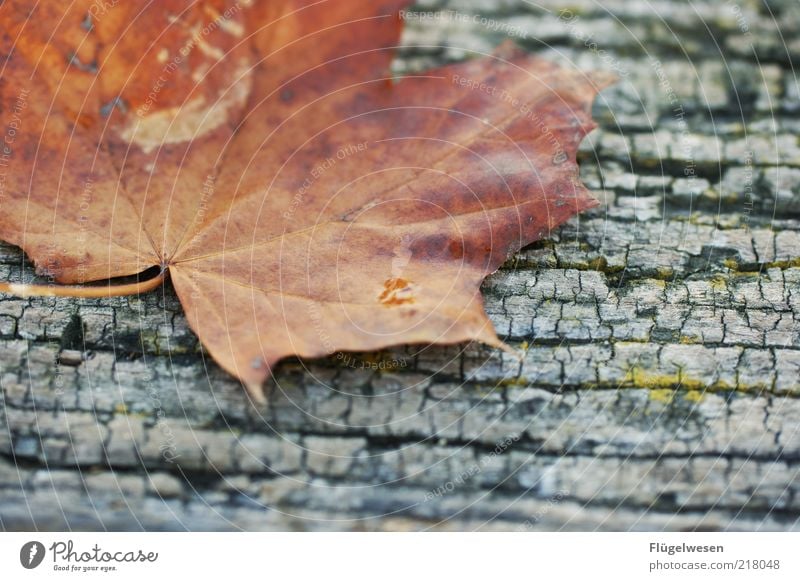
[[660, 383]]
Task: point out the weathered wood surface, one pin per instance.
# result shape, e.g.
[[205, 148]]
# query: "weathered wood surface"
[[660, 387]]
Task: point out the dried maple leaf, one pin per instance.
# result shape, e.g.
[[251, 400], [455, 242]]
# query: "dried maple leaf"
[[301, 200]]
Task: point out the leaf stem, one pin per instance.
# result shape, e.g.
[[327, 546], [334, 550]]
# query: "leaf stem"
[[84, 292]]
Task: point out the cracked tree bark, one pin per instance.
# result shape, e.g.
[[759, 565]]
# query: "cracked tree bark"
[[660, 384]]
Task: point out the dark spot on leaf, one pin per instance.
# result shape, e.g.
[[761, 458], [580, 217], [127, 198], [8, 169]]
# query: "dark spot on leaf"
[[116, 102], [74, 61]]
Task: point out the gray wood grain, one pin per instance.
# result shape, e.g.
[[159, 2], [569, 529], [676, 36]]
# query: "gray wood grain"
[[660, 383]]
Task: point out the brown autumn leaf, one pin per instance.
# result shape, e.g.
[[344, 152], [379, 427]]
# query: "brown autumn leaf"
[[300, 199]]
